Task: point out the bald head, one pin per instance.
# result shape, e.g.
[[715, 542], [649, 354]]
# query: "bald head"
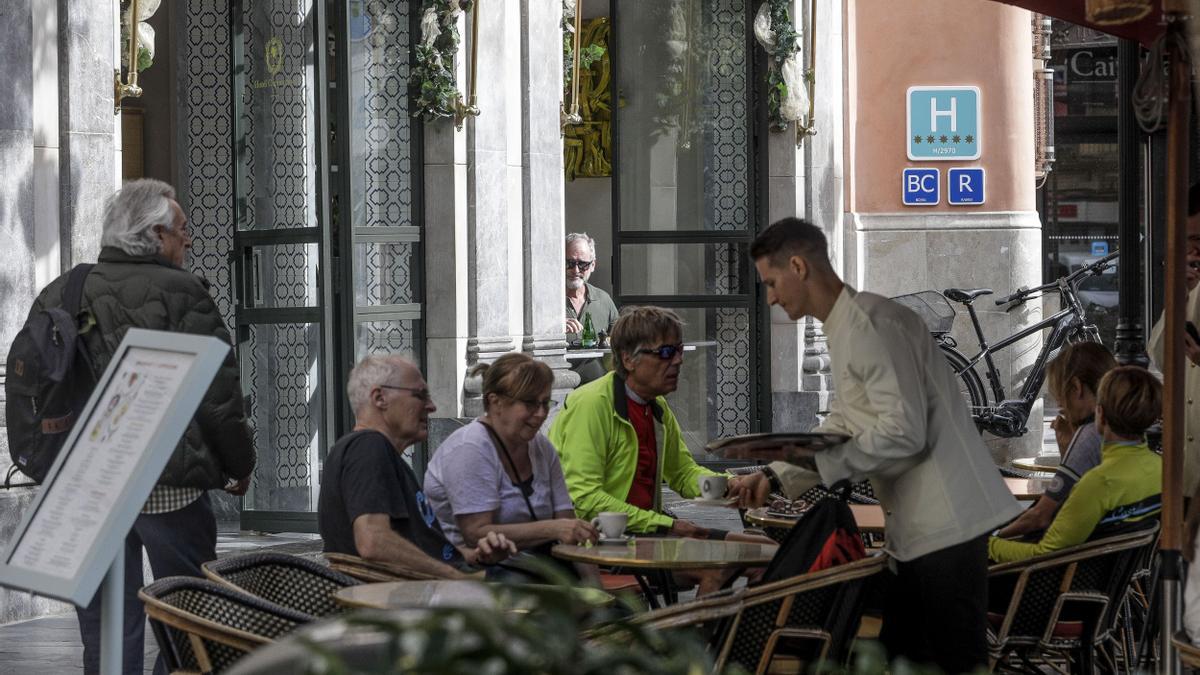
[[374, 371]]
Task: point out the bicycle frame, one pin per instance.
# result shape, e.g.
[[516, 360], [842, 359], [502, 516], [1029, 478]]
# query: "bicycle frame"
[[1033, 383]]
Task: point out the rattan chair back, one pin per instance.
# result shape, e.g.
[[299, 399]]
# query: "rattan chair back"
[[202, 626], [375, 570], [287, 580], [811, 617], [1065, 601], [1189, 653]]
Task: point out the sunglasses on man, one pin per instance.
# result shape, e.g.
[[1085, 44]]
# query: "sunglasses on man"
[[665, 352], [581, 265]]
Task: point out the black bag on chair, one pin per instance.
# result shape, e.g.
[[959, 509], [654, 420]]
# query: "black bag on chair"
[[825, 536]]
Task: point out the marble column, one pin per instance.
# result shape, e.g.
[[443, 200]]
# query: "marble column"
[[493, 193], [542, 190], [18, 276], [87, 123]]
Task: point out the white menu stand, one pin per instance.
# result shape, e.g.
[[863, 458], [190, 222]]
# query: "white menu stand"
[[72, 538]]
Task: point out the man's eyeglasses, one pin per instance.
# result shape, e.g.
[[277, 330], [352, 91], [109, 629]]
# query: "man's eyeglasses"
[[421, 395], [581, 265], [665, 352], [544, 404]]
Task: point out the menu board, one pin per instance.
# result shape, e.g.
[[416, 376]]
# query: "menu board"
[[114, 438], [110, 462]]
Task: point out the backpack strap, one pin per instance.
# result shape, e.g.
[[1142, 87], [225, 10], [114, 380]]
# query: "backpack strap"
[[73, 291]]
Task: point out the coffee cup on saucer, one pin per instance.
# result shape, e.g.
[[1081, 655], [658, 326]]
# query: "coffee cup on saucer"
[[713, 487], [611, 524]]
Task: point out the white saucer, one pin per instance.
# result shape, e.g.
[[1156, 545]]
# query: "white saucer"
[[701, 501], [613, 540]]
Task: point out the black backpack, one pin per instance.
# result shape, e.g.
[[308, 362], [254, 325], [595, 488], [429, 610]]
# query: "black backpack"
[[825, 536], [50, 377]]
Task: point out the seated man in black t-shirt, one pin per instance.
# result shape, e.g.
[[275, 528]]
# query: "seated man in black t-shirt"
[[371, 503]]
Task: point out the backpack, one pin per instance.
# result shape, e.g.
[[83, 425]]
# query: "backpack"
[[825, 536], [49, 380]]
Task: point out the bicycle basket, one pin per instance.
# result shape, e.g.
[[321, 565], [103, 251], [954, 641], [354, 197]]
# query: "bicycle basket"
[[933, 308]]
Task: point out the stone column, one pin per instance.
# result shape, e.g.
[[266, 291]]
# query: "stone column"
[[493, 197], [542, 189], [806, 181], [87, 123], [892, 249]]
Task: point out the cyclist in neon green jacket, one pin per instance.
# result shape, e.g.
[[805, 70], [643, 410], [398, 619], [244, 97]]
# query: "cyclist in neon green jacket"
[[1125, 487]]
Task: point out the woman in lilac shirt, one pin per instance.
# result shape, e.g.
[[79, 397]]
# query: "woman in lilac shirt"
[[499, 473]]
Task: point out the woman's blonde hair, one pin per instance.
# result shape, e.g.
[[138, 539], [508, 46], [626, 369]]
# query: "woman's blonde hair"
[[1084, 361], [1131, 399], [637, 328], [515, 375]]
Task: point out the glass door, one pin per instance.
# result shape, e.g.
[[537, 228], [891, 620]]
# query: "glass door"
[[685, 198], [280, 253]]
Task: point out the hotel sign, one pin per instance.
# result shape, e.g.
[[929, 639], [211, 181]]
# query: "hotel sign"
[[943, 123]]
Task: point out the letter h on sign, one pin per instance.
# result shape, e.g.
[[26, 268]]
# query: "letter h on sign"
[[943, 123]]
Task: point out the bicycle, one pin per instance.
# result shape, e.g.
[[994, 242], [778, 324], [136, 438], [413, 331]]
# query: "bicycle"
[[1000, 415]]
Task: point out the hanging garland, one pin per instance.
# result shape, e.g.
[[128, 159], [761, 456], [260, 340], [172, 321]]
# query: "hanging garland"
[[588, 53], [432, 78], [787, 93]]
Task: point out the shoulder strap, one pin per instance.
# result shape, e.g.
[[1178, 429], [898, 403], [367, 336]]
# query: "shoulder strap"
[[523, 487], [73, 291]]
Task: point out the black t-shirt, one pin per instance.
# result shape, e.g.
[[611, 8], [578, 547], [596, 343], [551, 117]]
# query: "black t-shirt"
[[364, 474]]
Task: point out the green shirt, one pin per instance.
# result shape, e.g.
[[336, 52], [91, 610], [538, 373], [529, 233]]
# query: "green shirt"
[[1128, 473], [599, 305]]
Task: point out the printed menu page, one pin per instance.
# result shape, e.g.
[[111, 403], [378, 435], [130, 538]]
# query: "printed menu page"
[[111, 444]]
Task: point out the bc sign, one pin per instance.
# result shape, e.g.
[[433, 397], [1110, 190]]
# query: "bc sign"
[[943, 123], [921, 187], [964, 187]]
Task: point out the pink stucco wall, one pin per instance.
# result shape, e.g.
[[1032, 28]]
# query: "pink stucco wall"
[[895, 44]]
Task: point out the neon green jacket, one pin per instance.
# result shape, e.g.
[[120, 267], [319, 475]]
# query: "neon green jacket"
[[1129, 474], [598, 449]]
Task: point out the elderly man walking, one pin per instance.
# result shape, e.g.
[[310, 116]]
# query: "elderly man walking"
[[371, 503], [139, 282], [911, 435]]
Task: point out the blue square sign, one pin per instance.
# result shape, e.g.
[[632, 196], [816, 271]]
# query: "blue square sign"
[[921, 187], [965, 187], [943, 123]]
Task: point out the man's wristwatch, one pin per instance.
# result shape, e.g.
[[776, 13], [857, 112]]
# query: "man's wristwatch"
[[773, 479]]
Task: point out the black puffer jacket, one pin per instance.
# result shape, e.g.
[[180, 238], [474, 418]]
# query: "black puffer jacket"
[[124, 292]]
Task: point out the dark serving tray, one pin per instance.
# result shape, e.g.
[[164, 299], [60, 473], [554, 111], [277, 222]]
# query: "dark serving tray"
[[772, 447]]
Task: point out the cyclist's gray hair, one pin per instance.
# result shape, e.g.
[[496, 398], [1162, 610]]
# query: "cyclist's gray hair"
[[637, 328], [580, 236], [370, 373], [131, 214]]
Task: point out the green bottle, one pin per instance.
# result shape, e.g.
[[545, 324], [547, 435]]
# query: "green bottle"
[[588, 337]]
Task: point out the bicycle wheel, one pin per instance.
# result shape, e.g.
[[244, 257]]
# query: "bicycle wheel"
[[970, 386]]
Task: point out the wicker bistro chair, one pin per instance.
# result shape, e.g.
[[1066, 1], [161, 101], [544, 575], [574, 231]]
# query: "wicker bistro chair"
[[812, 617], [374, 570], [286, 580], [1188, 652], [1064, 606], [204, 627]]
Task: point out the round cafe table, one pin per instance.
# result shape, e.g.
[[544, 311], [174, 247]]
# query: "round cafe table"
[[457, 594], [659, 556], [1028, 464], [1026, 489]]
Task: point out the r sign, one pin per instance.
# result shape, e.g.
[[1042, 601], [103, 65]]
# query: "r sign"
[[943, 123], [965, 187], [921, 187]]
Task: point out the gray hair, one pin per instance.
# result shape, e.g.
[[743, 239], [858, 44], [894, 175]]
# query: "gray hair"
[[131, 214], [368, 374], [580, 236]]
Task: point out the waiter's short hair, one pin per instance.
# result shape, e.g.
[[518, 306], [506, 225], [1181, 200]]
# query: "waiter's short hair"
[[1194, 199], [790, 237]]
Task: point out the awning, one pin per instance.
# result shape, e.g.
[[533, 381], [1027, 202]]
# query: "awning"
[[1146, 30]]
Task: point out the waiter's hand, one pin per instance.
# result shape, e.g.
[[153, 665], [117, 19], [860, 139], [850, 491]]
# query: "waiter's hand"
[[750, 490], [238, 488], [573, 326]]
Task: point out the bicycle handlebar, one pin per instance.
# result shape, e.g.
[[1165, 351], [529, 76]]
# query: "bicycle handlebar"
[[1090, 269]]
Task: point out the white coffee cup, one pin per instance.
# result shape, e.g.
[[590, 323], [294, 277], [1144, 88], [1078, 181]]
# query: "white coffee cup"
[[713, 487], [611, 523]]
